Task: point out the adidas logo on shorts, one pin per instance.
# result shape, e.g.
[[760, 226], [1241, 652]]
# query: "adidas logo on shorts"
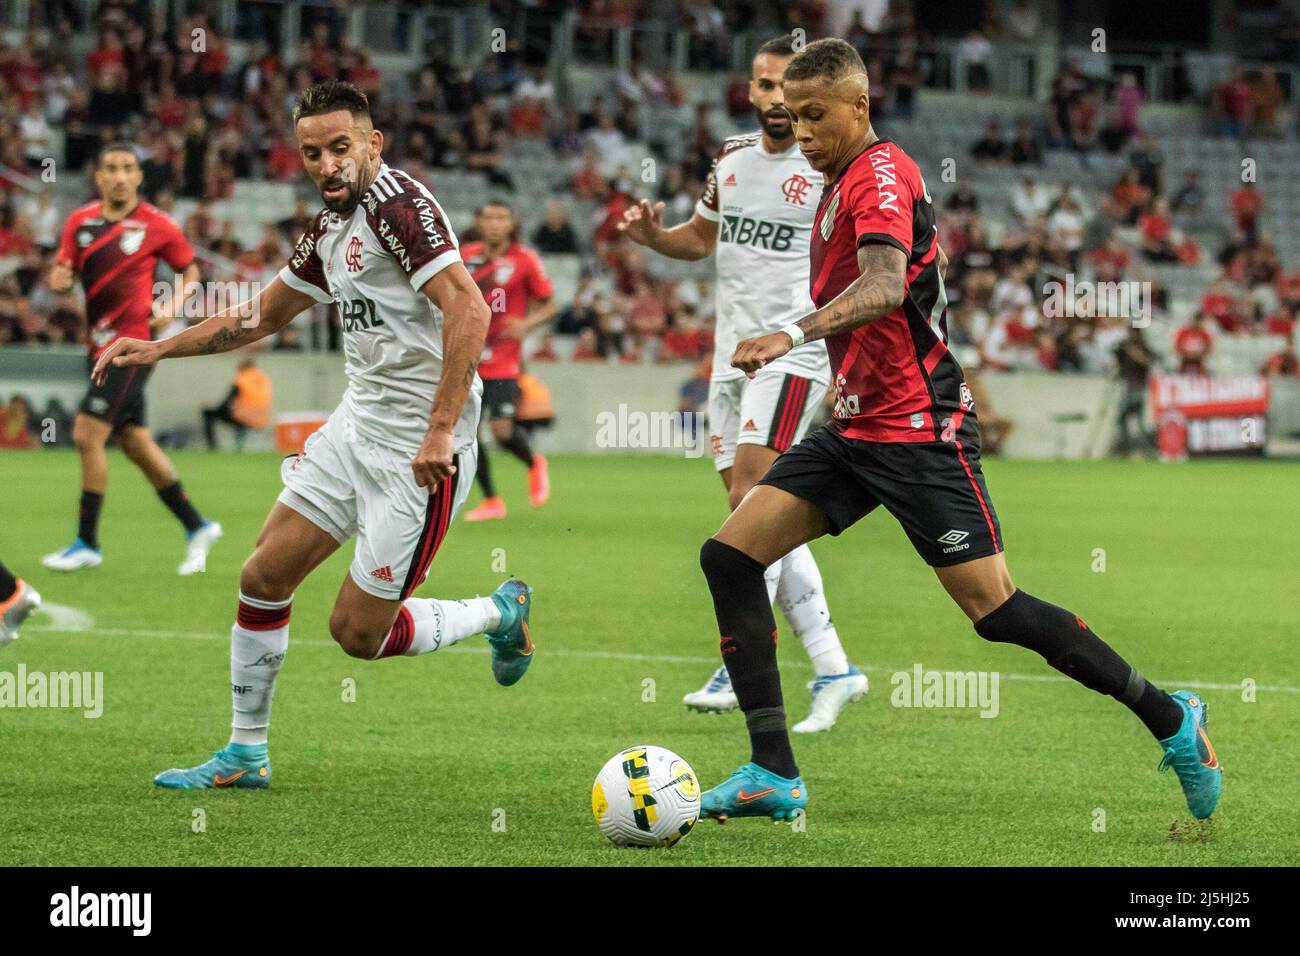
[[384, 574]]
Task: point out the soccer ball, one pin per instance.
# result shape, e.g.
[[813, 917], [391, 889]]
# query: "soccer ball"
[[646, 796]]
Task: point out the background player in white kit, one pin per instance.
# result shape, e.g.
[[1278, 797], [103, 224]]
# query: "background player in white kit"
[[394, 461], [757, 212]]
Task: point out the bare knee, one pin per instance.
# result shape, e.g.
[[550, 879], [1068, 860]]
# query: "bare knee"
[[86, 437], [257, 580], [736, 493], [502, 429], [355, 639]]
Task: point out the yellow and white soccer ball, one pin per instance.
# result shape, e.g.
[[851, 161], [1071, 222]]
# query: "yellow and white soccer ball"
[[646, 797]]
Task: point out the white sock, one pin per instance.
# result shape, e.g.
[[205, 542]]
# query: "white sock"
[[258, 643], [772, 578], [800, 597], [427, 624]]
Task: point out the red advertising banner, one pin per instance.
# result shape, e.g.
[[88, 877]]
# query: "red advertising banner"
[[1203, 415]]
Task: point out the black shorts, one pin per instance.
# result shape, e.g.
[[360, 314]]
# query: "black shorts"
[[120, 400], [935, 489], [500, 398]]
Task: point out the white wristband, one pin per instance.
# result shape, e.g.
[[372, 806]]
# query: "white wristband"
[[795, 333]]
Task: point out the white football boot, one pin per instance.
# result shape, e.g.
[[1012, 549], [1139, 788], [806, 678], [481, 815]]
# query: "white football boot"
[[831, 694], [715, 697], [22, 603], [197, 547], [74, 557]]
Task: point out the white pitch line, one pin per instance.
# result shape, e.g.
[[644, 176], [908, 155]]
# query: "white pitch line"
[[624, 656]]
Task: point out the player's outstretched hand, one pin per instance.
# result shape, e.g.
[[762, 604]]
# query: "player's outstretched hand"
[[434, 461], [642, 221], [125, 352], [753, 354]]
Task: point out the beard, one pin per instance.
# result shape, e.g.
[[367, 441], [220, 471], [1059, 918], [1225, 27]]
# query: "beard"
[[782, 131]]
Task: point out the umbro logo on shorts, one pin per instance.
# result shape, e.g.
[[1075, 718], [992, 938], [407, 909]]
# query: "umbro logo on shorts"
[[955, 540], [384, 574]]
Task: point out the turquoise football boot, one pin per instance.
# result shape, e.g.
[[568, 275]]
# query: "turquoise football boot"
[[236, 765], [512, 643], [1192, 757], [754, 792]]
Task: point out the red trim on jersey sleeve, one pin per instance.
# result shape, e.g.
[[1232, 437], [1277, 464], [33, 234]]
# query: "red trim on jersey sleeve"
[[879, 199], [539, 283]]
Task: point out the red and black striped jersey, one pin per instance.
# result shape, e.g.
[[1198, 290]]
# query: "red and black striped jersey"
[[509, 282], [895, 380], [115, 260]]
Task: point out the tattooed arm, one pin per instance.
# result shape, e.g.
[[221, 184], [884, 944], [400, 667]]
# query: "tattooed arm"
[[877, 291], [465, 318], [271, 310]]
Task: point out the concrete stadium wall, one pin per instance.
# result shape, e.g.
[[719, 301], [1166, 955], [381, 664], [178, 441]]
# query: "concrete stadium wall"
[[623, 408]]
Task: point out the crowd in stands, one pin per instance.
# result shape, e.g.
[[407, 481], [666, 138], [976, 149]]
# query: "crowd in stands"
[[200, 121]]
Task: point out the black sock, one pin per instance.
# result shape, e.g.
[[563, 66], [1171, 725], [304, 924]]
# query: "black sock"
[[517, 444], [1069, 645], [749, 650], [178, 502], [484, 474], [88, 517], [7, 583]]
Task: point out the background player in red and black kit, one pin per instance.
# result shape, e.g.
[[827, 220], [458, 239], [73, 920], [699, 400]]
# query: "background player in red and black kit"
[[902, 436], [517, 290], [113, 245]]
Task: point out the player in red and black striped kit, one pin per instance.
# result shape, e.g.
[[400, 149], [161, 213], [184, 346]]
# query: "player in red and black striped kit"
[[113, 245], [518, 291], [902, 436]]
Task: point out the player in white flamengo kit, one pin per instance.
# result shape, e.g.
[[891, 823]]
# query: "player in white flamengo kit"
[[757, 212], [394, 461]]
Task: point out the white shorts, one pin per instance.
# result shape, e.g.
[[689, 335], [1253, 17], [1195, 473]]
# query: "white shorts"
[[775, 408], [347, 485]]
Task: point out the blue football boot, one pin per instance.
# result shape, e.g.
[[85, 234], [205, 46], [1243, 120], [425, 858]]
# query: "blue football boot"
[[235, 765], [1192, 757], [754, 792], [512, 643]]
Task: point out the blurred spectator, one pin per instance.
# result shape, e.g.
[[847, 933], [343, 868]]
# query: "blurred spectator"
[[15, 425], [1246, 206], [1025, 149], [1232, 102], [1283, 363], [1265, 97], [1193, 344], [1190, 198], [1030, 200], [555, 233], [1128, 106], [990, 148], [1134, 361], [247, 405]]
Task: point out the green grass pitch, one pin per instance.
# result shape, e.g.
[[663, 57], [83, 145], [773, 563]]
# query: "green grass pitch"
[[433, 763]]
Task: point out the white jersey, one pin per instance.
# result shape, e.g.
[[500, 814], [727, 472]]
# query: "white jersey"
[[764, 205], [372, 265]]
